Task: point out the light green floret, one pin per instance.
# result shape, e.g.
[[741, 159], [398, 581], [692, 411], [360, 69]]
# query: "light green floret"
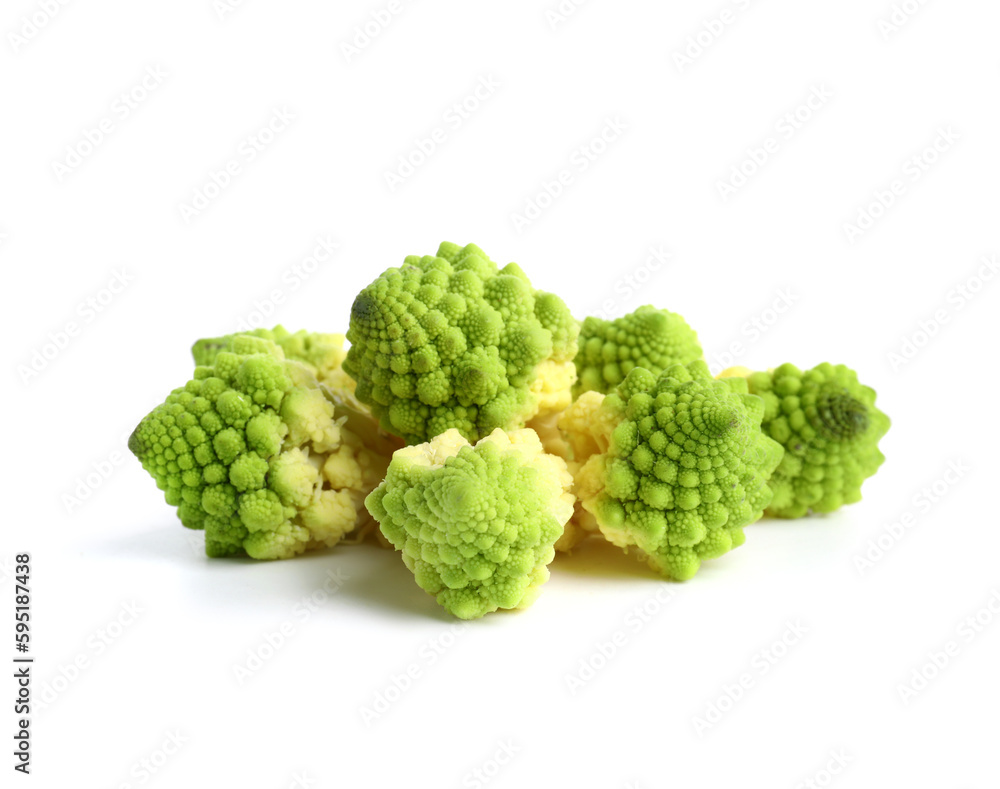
[[322, 352], [453, 341], [252, 451], [649, 338], [830, 428], [684, 468], [476, 525]]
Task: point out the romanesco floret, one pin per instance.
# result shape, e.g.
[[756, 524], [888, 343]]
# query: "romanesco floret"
[[252, 451], [830, 428], [454, 342], [324, 353], [476, 525], [675, 465], [648, 337]]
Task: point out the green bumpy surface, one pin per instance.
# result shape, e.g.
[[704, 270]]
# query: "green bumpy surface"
[[830, 428], [215, 447], [648, 337], [476, 532], [323, 352], [453, 341], [687, 466]]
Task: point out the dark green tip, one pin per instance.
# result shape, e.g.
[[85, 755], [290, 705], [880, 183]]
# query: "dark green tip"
[[841, 416], [204, 351], [363, 310], [135, 445]]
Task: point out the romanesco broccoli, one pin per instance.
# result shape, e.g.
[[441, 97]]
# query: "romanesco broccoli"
[[830, 428], [324, 353], [253, 451], [454, 342], [675, 465], [648, 337], [476, 525]]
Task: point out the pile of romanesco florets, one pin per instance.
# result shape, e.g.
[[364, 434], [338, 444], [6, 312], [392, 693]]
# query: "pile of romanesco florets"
[[477, 427]]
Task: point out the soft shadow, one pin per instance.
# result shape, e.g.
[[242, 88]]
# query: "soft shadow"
[[597, 557], [374, 577], [171, 543], [381, 580]]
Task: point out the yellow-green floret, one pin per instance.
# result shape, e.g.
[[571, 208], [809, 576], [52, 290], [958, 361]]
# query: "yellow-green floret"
[[830, 428], [453, 341], [675, 465], [253, 451], [321, 351], [476, 524], [648, 337]]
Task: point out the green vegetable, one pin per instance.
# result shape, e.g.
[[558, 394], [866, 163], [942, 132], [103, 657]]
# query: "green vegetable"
[[454, 342], [648, 337], [323, 352], [675, 465], [476, 525], [527, 432], [253, 451], [830, 428]]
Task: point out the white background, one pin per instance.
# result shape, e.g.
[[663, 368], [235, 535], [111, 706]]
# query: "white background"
[[504, 679]]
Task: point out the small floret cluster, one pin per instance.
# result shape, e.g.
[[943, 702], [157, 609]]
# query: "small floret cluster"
[[476, 524], [679, 465], [648, 338], [830, 428], [252, 450], [453, 341]]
